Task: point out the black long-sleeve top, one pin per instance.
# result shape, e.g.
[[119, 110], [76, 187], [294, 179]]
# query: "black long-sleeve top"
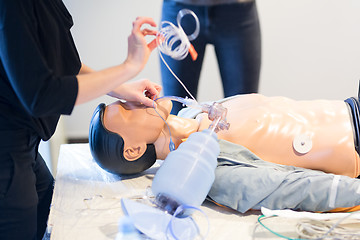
[[38, 64]]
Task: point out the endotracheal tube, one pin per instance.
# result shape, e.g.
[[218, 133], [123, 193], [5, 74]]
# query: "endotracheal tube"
[[216, 112]]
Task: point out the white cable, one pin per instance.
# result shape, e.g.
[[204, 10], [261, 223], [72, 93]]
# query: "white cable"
[[182, 84], [314, 229], [173, 41]]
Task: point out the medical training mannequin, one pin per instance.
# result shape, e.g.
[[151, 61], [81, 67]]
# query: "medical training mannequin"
[[267, 126]]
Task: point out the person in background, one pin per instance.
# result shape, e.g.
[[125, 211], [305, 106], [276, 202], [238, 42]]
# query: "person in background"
[[41, 78], [232, 27]]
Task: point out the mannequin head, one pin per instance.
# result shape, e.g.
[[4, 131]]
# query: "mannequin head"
[[122, 135]]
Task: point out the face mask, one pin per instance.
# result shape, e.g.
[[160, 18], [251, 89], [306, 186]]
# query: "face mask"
[[157, 224]]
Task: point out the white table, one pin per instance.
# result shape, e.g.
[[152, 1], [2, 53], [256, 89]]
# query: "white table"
[[86, 203]]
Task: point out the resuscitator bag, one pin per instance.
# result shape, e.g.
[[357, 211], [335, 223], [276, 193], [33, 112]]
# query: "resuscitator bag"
[[186, 176], [180, 186]]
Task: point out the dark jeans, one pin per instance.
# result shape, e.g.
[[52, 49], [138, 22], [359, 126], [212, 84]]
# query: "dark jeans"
[[234, 30], [26, 187]]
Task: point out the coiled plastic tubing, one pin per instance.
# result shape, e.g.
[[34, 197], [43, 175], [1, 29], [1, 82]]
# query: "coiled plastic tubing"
[[172, 40]]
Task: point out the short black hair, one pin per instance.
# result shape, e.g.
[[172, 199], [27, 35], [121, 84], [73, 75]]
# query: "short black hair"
[[107, 148]]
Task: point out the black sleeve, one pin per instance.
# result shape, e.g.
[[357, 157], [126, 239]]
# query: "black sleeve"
[[41, 89]]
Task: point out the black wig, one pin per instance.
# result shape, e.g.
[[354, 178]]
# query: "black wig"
[[107, 148]]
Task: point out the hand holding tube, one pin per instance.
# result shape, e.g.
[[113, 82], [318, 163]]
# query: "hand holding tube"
[[142, 91]]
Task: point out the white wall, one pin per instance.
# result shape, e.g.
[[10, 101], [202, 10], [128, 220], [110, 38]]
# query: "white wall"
[[100, 30], [311, 49]]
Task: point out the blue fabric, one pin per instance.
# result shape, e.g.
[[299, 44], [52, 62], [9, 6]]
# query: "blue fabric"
[[234, 31], [243, 182]]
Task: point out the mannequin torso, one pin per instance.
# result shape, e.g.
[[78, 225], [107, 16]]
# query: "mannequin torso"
[[268, 126]]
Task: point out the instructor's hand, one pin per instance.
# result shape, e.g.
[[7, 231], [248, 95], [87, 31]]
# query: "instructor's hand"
[[138, 48], [143, 91]]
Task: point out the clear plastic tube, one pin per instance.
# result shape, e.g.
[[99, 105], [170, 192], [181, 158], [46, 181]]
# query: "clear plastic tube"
[[173, 41], [185, 101], [216, 112]]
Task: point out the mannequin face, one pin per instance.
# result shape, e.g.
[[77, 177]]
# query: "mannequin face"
[[137, 124], [135, 121]]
